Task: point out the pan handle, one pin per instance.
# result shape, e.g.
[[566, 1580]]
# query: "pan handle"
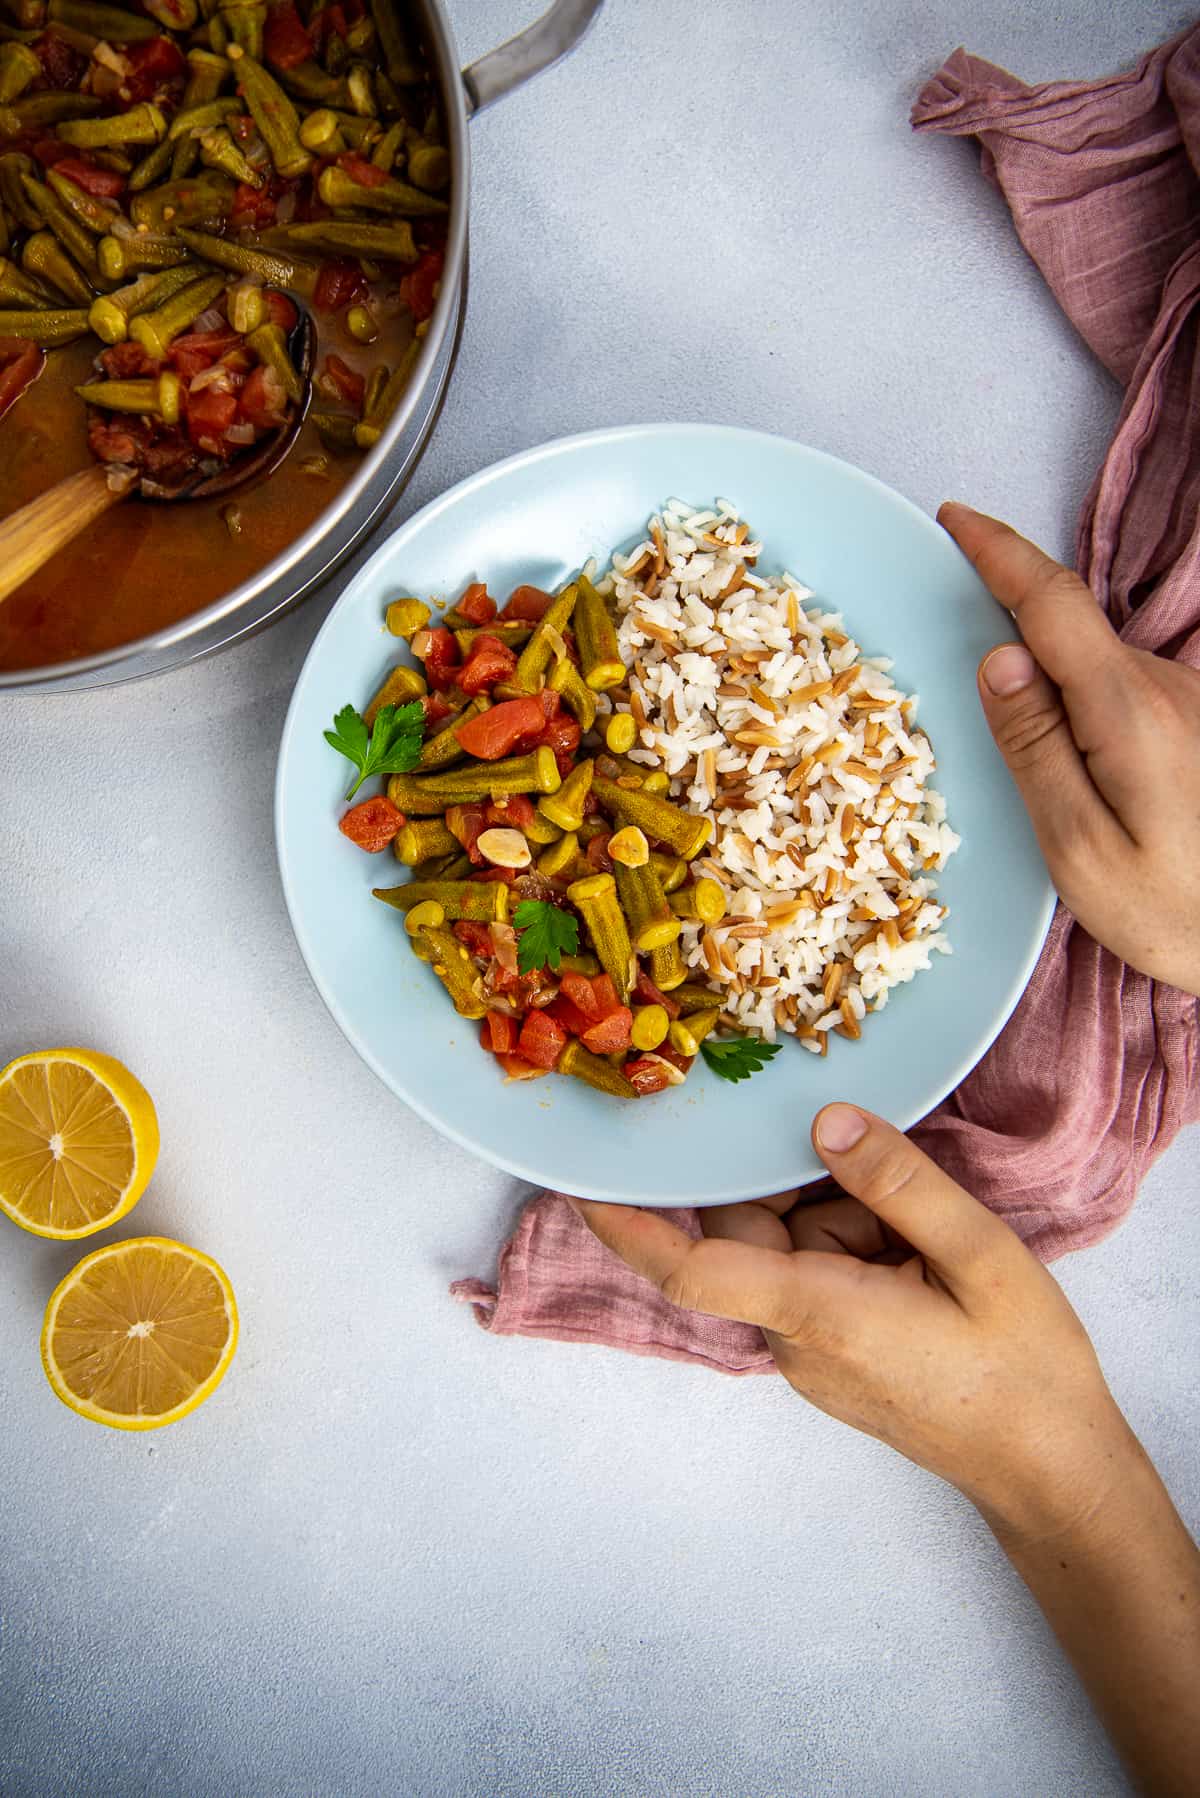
[[527, 54]]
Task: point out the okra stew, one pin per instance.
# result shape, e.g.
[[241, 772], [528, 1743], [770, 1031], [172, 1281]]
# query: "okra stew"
[[171, 171], [548, 873]]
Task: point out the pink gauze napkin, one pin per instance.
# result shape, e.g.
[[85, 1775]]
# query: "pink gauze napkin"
[[1099, 1067]]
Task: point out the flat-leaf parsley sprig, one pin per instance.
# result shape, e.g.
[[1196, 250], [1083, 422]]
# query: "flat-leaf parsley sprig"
[[737, 1057], [547, 933], [392, 747]]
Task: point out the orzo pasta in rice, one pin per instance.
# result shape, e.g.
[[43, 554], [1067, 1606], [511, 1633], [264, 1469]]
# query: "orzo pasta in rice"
[[769, 719]]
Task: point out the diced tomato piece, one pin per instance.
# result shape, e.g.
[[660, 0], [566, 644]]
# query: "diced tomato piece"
[[181, 20], [263, 400], [591, 805], [578, 989], [62, 64], [646, 1076], [597, 853], [551, 704], [127, 361], [476, 936], [362, 172], [513, 812], [562, 734], [498, 1032], [507, 875], [489, 661], [286, 42], [49, 152], [605, 995], [514, 724], [526, 605], [373, 824], [105, 184], [466, 822], [253, 208], [611, 1033], [517, 1069], [645, 990], [441, 659], [436, 711], [20, 363], [195, 351], [419, 287], [209, 415], [153, 64], [573, 1021], [280, 310], [542, 1039], [347, 381], [476, 604], [682, 1062]]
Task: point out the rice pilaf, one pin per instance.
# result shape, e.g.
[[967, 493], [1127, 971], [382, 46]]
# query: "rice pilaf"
[[806, 757]]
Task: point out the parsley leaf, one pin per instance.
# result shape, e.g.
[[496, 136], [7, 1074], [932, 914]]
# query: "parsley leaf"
[[737, 1057], [547, 932], [394, 744]]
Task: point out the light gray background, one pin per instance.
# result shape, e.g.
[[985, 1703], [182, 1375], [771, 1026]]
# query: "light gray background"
[[394, 1555]]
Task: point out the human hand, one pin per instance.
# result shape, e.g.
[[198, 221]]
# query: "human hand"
[[910, 1312], [1103, 742]]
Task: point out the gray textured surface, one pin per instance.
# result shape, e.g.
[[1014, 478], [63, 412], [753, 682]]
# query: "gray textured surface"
[[393, 1555]]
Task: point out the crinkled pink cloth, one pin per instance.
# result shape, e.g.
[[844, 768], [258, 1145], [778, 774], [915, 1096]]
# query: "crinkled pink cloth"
[[1101, 178]]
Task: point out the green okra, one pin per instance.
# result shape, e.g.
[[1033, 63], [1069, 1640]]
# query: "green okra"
[[667, 968], [688, 1033], [577, 696], [429, 167], [152, 167], [277, 270], [513, 635], [336, 431], [534, 658], [185, 158], [480, 901], [43, 257], [652, 923], [596, 636], [206, 77], [422, 795], [110, 314], [693, 996], [277, 119], [203, 116], [321, 133], [42, 112], [112, 23], [422, 838], [340, 190], [142, 124], [451, 962], [684, 832], [389, 147], [157, 397], [197, 200], [246, 305], [142, 251], [245, 23], [158, 329], [565, 807], [18, 67], [5, 232], [17, 289], [443, 748], [269, 343], [348, 237], [399, 56], [378, 411], [361, 324], [401, 686], [441, 867], [702, 901], [361, 91], [218, 151], [611, 766], [93, 214], [595, 899], [47, 327], [672, 871], [173, 15], [540, 831], [335, 55], [559, 860], [73, 236], [14, 166], [594, 1070], [310, 82]]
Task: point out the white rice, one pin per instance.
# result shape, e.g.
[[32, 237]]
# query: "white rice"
[[821, 924]]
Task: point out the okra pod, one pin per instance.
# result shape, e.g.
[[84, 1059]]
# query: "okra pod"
[[278, 271], [110, 314], [559, 860], [693, 996], [377, 412], [203, 117], [389, 147], [422, 838], [69, 232], [173, 15], [206, 77], [157, 397], [405, 617], [338, 189], [444, 747], [336, 431], [703, 901], [596, 636], [112, 23], [361, 91], [453, 966], [309, 81], [335, 55], [513, 635], [399, 57], [44, 258], [269, 344], [631, 774], [197, 200], [94, 215], [440, 867], [620, 733], [684, 832], [402, 686], [142, 124], [18, 67], [185, 158], [321, 133], [650, 1026], [667, 969], [277, 119], [421, 795], [688, 1033], [594, 1070], [629, 847], [539, 830], [349, 237], [152, 167], [481, 901], [16, 289], [362, 324], [577, 696], [245, 23], [120, 257], [13, 166], [583, 962], [48, 327], [246, 305], [157, 330], [40, 112], [672, 870], [535, 657], [595, 899], [565, 807], [218, 151], [652, 923], [429, 167]]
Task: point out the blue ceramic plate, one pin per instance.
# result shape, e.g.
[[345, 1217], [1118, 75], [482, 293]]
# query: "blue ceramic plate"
[[906, 592]]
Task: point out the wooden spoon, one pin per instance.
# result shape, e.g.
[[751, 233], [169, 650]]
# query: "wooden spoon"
[[34, 533]]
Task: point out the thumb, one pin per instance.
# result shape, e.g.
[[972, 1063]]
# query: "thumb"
[[958, 1237], [1025, 713]]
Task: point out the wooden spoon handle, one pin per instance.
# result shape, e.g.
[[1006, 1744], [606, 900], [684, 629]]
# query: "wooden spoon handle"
[[30, 536]]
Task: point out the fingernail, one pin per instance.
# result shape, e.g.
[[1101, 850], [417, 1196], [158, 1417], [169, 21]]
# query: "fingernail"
[[839, 1127], [1007, 670], [955, 508]]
